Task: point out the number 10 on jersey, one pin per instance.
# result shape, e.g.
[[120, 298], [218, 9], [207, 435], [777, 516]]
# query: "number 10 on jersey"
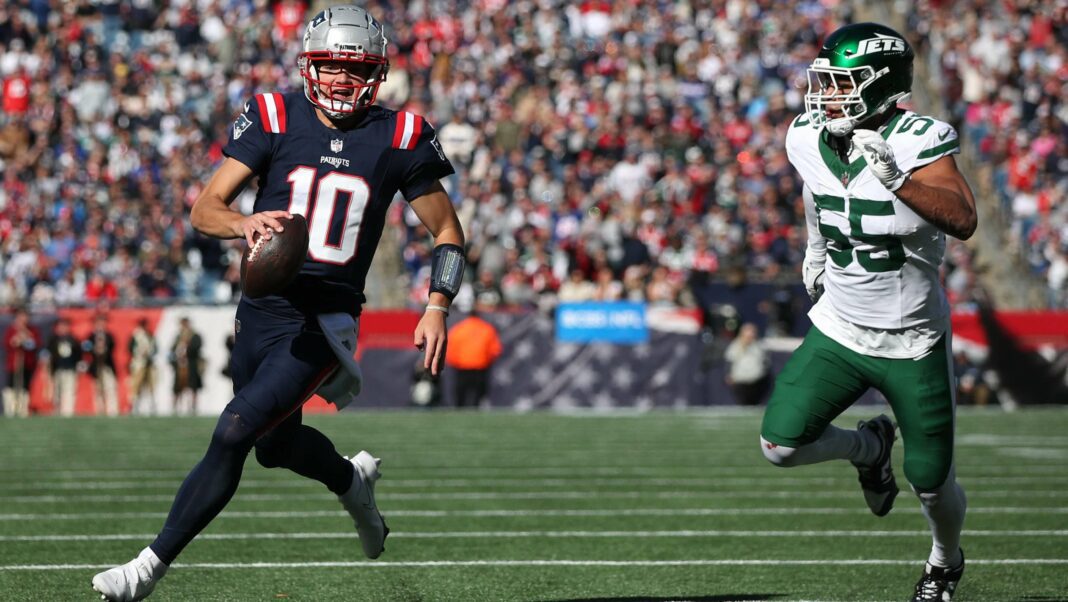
[[327, 191]]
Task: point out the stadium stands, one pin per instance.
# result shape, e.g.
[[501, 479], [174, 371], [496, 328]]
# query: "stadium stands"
[[1002, 73], [626, 150]]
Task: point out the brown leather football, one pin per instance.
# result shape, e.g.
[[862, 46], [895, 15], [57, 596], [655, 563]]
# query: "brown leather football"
[[269, 266]]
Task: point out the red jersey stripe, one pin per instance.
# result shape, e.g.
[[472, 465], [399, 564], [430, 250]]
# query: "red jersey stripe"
[[417, 128], [398, 133], [264, 119], [280, 106]]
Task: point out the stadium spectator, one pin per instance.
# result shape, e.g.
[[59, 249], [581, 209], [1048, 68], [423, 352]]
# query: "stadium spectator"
[[748, 364], [188, 366], [473, 348], [21, 344], [63, 355], [142, 370], [98, 351]]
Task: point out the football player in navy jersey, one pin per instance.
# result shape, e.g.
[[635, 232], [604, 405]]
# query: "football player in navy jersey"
[[329, 154]]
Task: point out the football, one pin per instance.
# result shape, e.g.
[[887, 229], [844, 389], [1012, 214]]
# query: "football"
[[269, 266]]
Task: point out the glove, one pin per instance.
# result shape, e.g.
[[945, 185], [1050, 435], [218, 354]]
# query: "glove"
[[880, 158], [813, 279]]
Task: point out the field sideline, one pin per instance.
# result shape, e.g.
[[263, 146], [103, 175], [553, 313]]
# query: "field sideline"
[[503, 506]]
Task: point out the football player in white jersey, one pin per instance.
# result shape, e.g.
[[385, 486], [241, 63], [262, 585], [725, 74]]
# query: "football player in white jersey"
[[881, 192]]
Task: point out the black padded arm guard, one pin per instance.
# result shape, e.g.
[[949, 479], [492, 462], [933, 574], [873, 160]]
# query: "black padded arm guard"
[[447, 270]]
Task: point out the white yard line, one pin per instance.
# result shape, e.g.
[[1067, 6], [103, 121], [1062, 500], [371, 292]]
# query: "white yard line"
[[759, 494], [584, 512], [170, 484], [578, 473], [544, 534], [540, 563]]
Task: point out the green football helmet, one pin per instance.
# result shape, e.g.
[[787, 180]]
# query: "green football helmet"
[[861, 71]]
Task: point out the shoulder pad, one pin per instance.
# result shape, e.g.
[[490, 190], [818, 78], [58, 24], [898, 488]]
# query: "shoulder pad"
[[923, 138], [799, 128]]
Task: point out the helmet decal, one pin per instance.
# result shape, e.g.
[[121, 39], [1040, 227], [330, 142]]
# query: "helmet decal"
[[880, 43]]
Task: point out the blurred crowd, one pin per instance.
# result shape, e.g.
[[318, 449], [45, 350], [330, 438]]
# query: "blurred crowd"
[[604, 150], [1003, 68]]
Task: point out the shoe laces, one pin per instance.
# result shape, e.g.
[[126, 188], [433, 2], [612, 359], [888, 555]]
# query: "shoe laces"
[[932, 586], [930, 589]]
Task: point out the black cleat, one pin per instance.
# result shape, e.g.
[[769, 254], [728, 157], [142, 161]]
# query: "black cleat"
[[877, 480], [938, 583]]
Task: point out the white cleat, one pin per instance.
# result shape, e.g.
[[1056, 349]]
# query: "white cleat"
[[359, 500], [134, 580]]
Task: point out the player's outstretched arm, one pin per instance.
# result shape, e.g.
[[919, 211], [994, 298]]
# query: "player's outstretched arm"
[[436, 212], [212, 215]]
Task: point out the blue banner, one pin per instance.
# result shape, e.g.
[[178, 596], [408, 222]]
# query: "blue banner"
[[618, 322]]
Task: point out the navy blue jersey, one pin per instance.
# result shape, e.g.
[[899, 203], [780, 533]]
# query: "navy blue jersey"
[[341, 181]]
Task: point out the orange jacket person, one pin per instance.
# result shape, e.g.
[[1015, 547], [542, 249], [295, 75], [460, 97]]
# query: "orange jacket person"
[[472, 353]]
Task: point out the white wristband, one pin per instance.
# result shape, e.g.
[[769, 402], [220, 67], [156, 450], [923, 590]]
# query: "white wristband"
[[441, 308]]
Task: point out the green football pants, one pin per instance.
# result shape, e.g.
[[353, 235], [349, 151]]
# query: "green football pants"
[[823, 378]]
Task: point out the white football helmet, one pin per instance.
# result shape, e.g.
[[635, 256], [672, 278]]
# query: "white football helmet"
[[345, 34]]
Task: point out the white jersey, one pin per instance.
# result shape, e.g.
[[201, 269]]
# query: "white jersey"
[[882, 259]]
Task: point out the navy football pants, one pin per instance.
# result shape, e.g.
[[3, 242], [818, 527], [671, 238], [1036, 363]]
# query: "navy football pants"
[[277, 364]]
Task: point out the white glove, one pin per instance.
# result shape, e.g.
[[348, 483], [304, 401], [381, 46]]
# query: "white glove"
[[880, 158], [813, 279]]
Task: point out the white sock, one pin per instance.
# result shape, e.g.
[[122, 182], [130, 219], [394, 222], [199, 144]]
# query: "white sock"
[[833, 444], [944, 509]]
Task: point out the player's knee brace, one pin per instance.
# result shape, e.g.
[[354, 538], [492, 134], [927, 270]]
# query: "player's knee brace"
[[778, 455], [232, 434]]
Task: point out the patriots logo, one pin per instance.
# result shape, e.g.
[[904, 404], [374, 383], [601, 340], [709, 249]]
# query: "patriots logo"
[[336, 145], [241, 125], [437, 146]]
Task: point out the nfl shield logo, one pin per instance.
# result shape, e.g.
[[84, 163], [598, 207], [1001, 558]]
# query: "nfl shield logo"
[[335, 146]]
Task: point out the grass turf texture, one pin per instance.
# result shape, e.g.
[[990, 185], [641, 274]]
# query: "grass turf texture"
[[502, 506]]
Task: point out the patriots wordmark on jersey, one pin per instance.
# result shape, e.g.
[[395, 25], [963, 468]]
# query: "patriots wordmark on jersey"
[[342, 181], [882, 258]]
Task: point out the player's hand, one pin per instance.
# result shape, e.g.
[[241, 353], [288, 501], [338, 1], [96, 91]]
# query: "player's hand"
[[431, 336], [264, 222], [880, 158], [813, 279]]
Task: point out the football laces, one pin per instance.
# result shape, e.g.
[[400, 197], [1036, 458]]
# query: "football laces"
[[255, 250]]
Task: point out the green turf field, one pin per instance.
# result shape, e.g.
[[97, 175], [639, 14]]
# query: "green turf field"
[[659, 506]]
